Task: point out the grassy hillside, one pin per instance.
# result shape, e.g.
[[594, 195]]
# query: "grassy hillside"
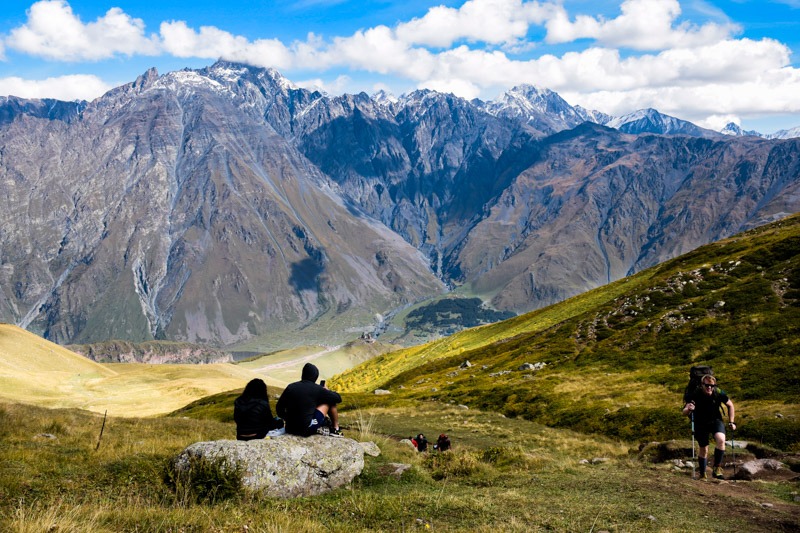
[[617, 358], [503, 474], [36, 371]]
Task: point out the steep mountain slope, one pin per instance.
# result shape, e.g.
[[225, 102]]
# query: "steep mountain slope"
[[615, 360], [172, 210], [223, 205], [597, 205], [12, 107], [424, 165]]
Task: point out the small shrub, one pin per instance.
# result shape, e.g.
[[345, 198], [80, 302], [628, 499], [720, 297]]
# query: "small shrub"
[[505, 456], [56, 428], [205, 480], [452, 464]]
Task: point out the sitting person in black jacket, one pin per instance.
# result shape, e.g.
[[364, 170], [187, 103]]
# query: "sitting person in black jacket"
[[305, 406], [252, 413]]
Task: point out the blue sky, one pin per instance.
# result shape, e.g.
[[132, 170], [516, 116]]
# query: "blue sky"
[[710, 62]]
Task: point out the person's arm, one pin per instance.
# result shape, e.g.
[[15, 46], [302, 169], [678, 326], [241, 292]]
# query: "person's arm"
[[329, 397], [688, 408], [280, 407], [731, 414]]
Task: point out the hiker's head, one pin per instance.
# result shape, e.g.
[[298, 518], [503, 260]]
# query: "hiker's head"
[[256, 388], [310, 373], [708, 384]]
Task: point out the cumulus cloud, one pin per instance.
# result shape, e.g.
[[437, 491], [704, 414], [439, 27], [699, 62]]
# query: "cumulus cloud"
[[338, 86], [210, 42], [642, 25], [53, 31], [488, 21], [67, 88]]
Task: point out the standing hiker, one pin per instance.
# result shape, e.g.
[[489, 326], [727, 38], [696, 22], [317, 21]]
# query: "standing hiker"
[[704, 405], [306, 407], [252, 414]]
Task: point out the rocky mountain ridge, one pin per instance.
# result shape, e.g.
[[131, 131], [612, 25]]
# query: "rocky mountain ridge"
[[225, 204]]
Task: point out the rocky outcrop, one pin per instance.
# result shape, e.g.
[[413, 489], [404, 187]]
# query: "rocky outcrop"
[[281, 467], [154, 352], [764, 469]]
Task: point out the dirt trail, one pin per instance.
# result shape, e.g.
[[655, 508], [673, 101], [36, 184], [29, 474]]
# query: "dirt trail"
[[750, 500], [299, 362]]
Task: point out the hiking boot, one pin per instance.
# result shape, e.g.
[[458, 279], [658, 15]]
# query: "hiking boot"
[[323, 430], [703, 476], [718, 472], [336, 432]]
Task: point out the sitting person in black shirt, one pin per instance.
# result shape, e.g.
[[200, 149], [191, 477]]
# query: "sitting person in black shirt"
[[252, 413], [306, 406]]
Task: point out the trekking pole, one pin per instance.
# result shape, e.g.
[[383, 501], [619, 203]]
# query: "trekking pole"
[[693, 459], [733, 451]]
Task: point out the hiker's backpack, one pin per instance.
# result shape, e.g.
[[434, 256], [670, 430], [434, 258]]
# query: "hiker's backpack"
[[696, 375]]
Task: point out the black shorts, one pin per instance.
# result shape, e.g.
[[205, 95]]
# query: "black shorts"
[[317, 421], [702, 431]]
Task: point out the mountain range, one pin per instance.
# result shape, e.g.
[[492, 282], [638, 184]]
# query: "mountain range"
[[225, 205]]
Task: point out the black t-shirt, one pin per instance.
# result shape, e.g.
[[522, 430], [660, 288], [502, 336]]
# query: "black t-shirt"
[[252, 416], [299, 401], [707, 408]]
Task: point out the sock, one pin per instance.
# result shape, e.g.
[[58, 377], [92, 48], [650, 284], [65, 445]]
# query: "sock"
[[703, 465], [718, 457]]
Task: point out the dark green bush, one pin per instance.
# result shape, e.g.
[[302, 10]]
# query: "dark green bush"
[[778, 432]]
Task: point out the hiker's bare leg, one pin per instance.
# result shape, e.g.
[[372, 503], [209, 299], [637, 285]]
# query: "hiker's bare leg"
[[719, 439], [702, 452], [331, 412]]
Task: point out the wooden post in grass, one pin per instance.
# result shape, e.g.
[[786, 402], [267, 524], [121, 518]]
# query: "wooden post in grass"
[[101, 431]]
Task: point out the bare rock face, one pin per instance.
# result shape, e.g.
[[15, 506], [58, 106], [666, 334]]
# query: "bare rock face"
[[172, 210], [285, 466]]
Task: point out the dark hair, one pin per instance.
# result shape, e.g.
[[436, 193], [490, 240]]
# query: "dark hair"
[[256, 389]]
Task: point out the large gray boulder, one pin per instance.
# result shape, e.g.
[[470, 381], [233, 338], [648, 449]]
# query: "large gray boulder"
[[285, 466], [765, 469]]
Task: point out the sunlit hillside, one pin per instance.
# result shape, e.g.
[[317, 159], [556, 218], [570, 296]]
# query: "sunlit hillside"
[[34, 370], [615, 360]]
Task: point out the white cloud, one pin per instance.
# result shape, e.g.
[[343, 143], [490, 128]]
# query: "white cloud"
[[210, 42], [67, 88], [54, 32], [774, 92], [642, 25], [717, 122], [488, 21], [338, 86]]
